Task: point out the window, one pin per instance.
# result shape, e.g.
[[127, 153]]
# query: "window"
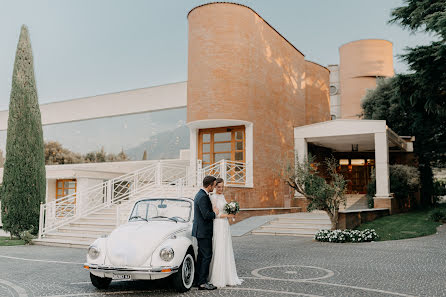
[[65, 187], [333, 90], [221, 143]]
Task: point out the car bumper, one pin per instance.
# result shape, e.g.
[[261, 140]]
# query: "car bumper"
[[132, 272]]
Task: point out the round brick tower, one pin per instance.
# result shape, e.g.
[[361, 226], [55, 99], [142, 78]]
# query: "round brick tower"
[[242, 74], [361, 63]]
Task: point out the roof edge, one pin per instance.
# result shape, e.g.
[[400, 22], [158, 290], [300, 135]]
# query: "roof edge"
[[242, 5], [326, 68], [366, 39]]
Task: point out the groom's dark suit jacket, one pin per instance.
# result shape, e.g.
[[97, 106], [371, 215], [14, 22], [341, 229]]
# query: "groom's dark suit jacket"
[[203, 225]]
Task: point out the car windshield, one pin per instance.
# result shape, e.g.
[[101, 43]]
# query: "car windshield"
[[162, 209]]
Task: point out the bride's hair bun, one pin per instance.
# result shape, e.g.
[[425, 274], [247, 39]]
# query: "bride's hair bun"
[[219, 180]]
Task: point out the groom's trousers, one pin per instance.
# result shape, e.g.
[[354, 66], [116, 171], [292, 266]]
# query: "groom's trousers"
[[204, 258]]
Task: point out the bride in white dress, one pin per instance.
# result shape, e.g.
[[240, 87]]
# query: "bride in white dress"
[[222, 270]]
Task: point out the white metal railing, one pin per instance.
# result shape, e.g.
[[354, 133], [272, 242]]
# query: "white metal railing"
[[62, 211], [232, 172], [156, 179]]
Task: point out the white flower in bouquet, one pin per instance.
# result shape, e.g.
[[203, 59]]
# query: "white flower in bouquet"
[[232, 208]]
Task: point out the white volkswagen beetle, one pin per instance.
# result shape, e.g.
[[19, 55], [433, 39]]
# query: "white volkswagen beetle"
[[155, 243]]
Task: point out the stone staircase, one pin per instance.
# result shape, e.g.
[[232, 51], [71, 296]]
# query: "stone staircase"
[[83, 231], [296, 224]]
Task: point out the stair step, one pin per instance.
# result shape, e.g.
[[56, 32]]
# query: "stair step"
[[63, 243], [88, 219], [61, 235], [94, 225], [83, 230], [297, 227], [302, 221], [102, 216], [297, 222], [308, 230], [281, 232], [111, 209]]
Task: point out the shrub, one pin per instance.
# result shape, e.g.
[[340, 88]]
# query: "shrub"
[[439, 189], [27, 237], [347, 235], [438, 215], [404, 180]]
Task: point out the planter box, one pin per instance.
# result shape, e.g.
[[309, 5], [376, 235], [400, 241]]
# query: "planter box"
[[350, 219]]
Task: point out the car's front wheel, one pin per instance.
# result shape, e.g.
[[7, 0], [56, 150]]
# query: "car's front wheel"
[[183, 279], [100, 282]]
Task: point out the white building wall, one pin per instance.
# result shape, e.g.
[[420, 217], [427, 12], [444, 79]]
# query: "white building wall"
[[51, 190], [335, 92], [121, 103]]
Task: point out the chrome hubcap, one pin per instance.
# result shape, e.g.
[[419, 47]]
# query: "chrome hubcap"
[[188, 271]]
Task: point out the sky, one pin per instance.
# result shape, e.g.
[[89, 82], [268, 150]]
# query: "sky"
[[89, 47]]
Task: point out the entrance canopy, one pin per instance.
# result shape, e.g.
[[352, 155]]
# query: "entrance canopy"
[[355, 136], [352, 135]]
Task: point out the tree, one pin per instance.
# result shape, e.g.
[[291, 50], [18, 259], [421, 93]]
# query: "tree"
[[122, 156], [426, 85], [327, 196], [56, 154], [102, 156], [415, 103], [144, 155], [2, 160], [24, 181]]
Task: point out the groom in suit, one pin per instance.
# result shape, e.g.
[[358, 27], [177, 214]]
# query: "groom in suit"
[[202, 229]]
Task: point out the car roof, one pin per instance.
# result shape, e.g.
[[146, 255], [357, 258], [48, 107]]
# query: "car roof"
[[166, 198]]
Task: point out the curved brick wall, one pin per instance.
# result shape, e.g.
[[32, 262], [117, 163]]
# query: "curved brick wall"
[[360, 63], [317, 107], [241, 68]]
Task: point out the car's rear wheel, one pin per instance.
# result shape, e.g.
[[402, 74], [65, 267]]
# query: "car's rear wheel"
[[183, 279], [100, 282]]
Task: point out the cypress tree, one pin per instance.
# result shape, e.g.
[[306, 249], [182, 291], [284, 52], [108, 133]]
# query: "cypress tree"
[[24, 181]]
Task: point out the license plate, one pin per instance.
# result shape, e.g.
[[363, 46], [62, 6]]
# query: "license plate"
[[121, 276]]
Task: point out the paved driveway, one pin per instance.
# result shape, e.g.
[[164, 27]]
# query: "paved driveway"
[[269, 265]]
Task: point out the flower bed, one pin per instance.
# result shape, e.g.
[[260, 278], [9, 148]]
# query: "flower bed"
[[346, 235]]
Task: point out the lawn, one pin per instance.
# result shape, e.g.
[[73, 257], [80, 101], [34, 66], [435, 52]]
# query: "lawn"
[[403, 225], [6, 241]]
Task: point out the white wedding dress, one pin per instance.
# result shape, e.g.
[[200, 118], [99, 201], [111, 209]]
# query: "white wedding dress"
[[222, 271]]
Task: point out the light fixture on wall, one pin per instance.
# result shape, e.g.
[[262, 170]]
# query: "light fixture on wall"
[[355, 147]]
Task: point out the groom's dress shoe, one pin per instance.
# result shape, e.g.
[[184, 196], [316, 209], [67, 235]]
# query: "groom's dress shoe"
[[207, 286]]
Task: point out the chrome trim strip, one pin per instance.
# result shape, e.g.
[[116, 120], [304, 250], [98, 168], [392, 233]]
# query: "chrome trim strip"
[[132, 269]]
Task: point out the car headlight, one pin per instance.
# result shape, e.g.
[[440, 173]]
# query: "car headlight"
[[93, 252], [167, 254]]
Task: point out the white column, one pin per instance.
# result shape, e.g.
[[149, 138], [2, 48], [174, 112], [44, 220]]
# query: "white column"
[[193, 151], [382, 165], [301, 149], [81, 186], [249, 150], [46, 193], [301, 153]]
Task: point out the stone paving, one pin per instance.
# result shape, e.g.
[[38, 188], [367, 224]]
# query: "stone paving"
[[269, 265]]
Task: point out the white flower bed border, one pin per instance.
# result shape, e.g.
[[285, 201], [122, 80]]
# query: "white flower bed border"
[[347, 235]]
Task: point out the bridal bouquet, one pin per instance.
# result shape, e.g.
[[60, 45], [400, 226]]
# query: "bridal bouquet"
[[232, 208]]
